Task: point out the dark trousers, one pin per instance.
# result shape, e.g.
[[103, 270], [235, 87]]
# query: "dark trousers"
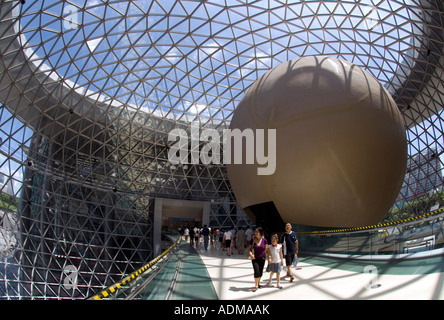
[[258, 267]]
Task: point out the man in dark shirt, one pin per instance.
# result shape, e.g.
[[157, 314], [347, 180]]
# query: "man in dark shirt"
[[206, 235], [290, 248]]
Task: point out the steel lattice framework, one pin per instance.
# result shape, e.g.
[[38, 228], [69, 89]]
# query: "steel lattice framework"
[[91, 88]]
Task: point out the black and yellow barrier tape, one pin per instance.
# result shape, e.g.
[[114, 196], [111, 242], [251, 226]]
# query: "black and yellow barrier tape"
[[377, 226], [111, 289]]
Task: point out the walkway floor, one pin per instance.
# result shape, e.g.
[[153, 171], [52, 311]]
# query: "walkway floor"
[[327, 278], [193, 280]]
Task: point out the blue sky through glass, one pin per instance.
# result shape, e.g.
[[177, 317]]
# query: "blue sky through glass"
[[191, 59]]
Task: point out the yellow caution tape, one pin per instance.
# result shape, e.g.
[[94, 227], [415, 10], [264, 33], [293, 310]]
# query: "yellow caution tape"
[[105, 293], [381, 225]]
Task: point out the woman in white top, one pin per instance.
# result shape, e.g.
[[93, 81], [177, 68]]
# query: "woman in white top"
[[227, 240], [275, 260]]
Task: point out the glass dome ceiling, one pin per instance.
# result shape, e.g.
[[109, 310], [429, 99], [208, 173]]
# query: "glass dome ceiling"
[[90, 89], [193, 60]]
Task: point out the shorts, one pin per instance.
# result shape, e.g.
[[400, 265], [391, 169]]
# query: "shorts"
[[228, 243], [289, 259]]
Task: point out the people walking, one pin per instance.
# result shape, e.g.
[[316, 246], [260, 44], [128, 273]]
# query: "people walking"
[[248, 234], [196, 236], [227, 241], [206, 235], [257, 248], [290, 248], [240, 240], [275, 260], [192, 237]]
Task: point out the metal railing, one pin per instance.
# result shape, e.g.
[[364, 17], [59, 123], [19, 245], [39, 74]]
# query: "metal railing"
[[131, 285], [409, 238]]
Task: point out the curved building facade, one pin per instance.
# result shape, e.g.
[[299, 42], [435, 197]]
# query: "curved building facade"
[[90, 91]]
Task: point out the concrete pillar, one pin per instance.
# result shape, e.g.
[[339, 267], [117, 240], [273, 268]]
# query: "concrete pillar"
[[206, 213]]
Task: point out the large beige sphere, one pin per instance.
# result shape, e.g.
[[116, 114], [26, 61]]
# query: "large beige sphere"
[[341, 149]]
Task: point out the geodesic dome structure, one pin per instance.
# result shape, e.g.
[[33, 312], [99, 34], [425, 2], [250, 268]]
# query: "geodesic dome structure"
[[90, 89]]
